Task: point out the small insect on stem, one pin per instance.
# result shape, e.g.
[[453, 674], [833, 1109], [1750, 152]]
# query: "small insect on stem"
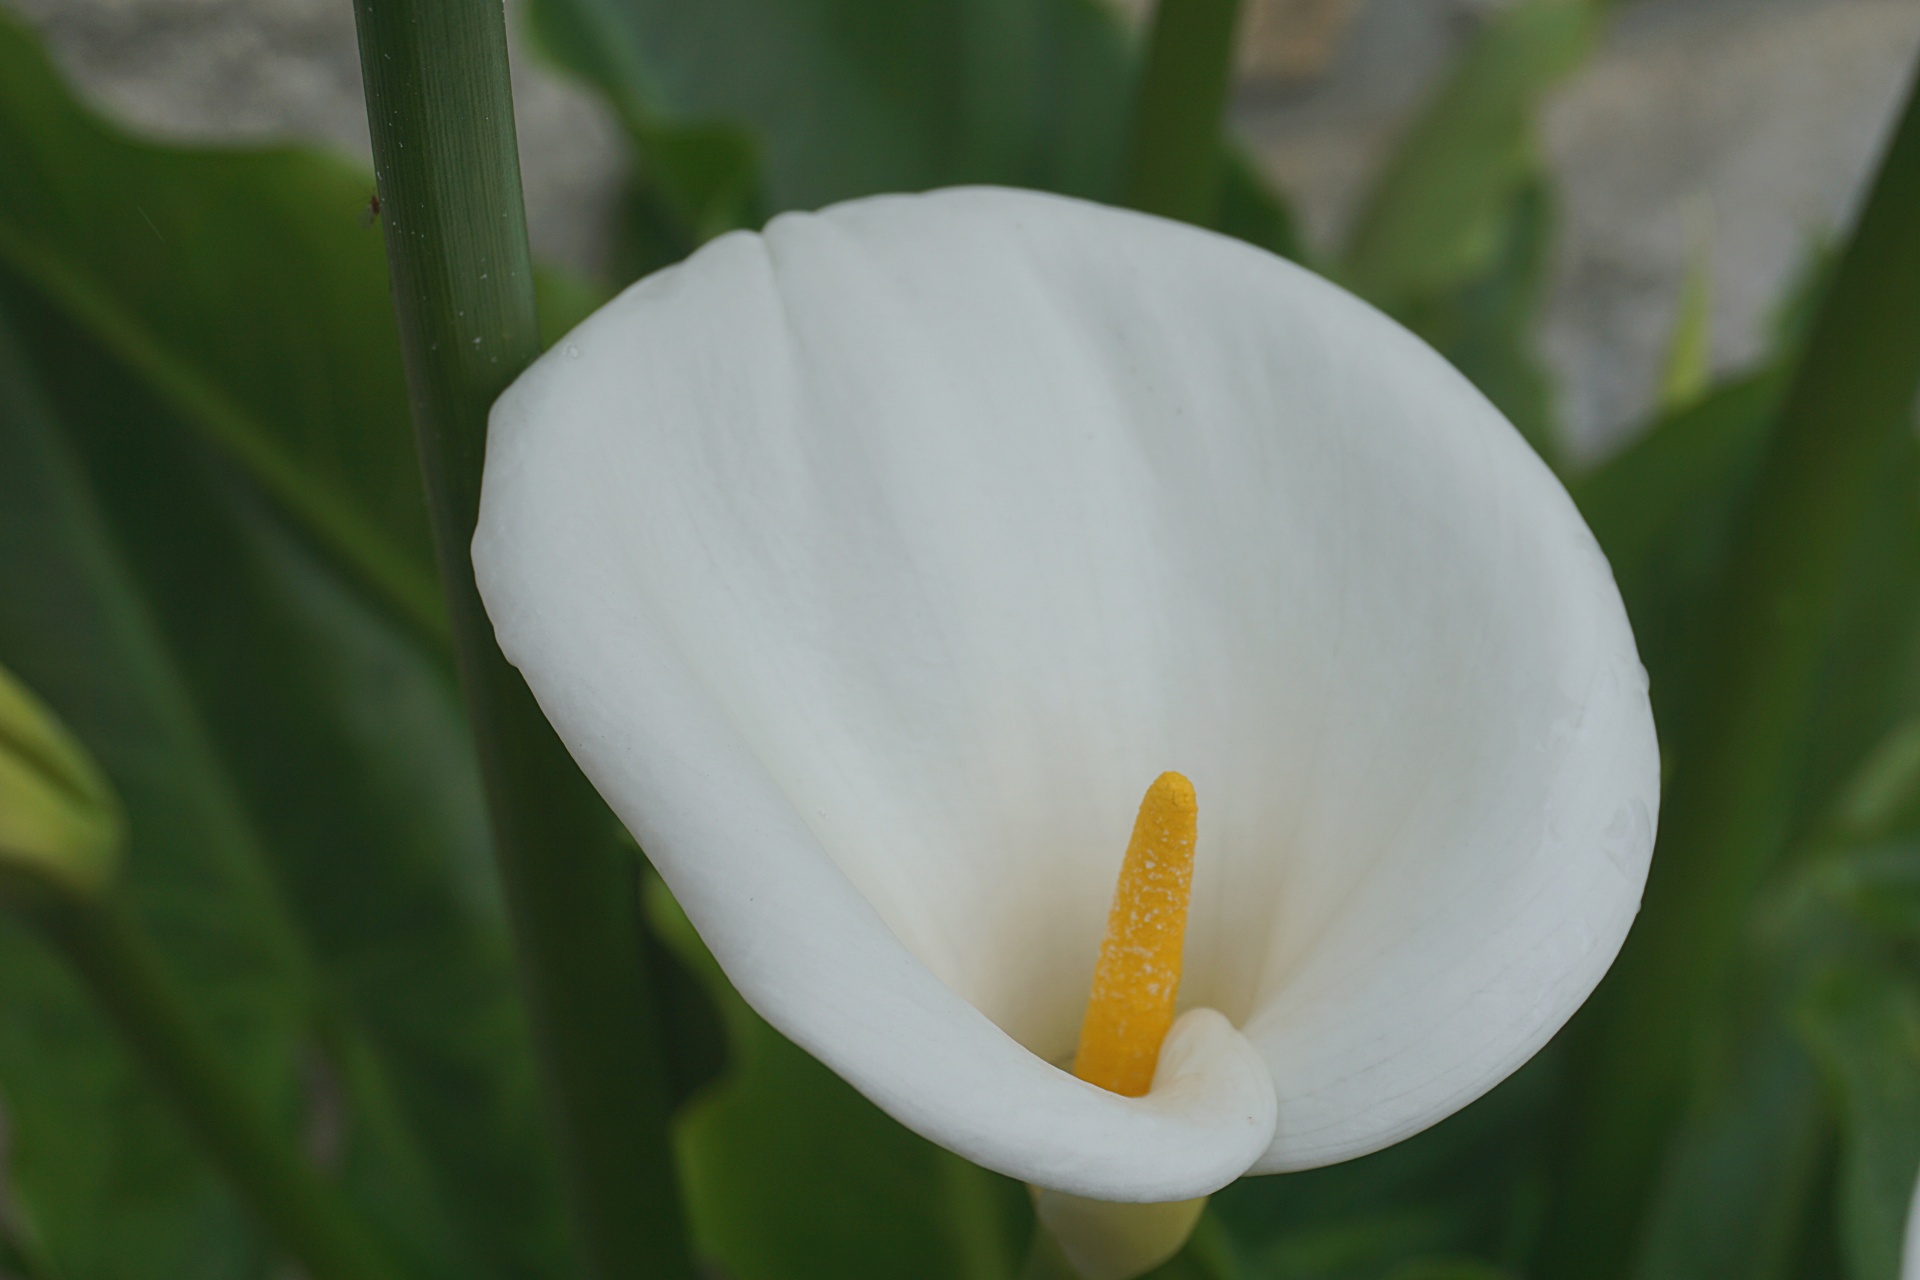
[[371, 213]]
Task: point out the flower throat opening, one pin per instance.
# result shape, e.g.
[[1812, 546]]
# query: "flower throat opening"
[[1138, 974]]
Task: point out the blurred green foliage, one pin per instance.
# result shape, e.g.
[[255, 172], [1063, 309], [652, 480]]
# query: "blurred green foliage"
[[741, 109], [214, 569]]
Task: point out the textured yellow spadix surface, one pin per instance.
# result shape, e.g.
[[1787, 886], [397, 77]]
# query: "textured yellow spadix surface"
[[1138, 974]]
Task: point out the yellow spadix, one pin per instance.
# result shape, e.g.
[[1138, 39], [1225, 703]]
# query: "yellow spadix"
[[1138, 975]]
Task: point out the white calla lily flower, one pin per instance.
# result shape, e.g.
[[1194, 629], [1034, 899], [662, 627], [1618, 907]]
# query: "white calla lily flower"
[[872, 566]]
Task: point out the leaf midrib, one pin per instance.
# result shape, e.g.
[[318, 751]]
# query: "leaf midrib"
[[344, 533]]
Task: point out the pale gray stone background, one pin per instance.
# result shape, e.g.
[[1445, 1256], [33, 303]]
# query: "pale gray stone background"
[[1731, 131], [1739, 129]]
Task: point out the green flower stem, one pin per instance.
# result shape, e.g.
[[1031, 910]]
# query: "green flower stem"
[[1173, 153], [120, 966], [1735, 757], [441, 114]]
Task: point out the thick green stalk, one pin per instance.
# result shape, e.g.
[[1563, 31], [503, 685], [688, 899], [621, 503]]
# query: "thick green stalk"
[[122, 969], [1173, 154], [441, 114], [1735, 759]]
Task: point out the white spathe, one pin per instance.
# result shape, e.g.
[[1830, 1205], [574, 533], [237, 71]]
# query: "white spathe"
[[1910, 1242], [872, 567]]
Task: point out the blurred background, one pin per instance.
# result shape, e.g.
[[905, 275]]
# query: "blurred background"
[[1727, 137]]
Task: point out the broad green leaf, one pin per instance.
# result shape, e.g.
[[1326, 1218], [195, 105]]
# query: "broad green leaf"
[[1863, 1023], [1732, 1202], [1466, 1188], [343, 736], [790, 1173], [1434, 218], [242, 288], [1662, 510], [217, 881], [1870, 679], [110, 1187], [1660, 506]]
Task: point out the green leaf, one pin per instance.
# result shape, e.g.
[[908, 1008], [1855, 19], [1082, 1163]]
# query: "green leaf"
[[1870, 675], [1732, 1201], [1660, 506], [1468, 1187], [1864, 1026], [241, 286], [110, 1186], [790, 1173], [343, 736], [1662, 510], [1434, 218]]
